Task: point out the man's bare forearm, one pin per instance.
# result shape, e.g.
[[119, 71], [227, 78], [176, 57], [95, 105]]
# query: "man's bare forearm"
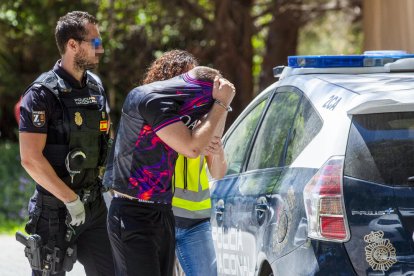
[[192, 143], [211, 126], [39, 168], [42, 172]]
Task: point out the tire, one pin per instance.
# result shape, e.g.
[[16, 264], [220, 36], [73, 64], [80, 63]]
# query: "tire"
[[266, 270]]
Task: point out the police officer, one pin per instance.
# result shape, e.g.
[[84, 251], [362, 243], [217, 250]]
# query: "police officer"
[[64, 128]]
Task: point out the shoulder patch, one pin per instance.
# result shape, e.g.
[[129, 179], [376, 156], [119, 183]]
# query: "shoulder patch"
[[38, 118]]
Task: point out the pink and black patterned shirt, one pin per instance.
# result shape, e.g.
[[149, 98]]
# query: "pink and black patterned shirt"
[[141, 164]]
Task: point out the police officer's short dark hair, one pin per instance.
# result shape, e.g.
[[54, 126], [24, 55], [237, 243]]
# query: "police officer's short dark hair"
[[72, 25]]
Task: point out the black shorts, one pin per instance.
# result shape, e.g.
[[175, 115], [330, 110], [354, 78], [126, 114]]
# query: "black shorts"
[[142, 237]]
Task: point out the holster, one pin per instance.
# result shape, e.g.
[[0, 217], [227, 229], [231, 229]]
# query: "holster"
[[69, 258], [90, 194], [35, 209], [55, 261], [43, 258], [47, 256]]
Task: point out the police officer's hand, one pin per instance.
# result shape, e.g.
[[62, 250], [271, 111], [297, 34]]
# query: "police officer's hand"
[[76, 211]]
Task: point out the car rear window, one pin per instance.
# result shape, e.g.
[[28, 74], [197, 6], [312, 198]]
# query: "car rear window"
[[381, 148]]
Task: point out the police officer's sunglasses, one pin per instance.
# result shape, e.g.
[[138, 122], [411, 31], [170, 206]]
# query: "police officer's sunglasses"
[[96, 42]]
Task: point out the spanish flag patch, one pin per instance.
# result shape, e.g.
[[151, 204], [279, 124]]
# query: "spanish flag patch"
[[103, 125]]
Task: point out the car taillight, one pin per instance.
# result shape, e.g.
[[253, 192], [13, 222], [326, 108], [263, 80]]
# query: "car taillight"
[[324, 205]]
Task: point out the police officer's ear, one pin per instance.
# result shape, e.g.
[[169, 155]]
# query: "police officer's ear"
[[72, 45]]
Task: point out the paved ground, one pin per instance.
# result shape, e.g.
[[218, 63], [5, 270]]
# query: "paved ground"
[[14, 263]]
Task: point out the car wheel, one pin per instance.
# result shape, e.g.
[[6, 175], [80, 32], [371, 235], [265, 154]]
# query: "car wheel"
[[266, 270]]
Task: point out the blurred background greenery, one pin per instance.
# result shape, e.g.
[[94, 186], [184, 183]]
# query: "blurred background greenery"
[[244, 39], [16, 188]]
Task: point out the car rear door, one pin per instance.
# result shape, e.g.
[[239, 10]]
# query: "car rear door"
[[379, 193]]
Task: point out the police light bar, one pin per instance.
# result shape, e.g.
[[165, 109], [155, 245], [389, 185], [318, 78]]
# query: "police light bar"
[[368, 59]]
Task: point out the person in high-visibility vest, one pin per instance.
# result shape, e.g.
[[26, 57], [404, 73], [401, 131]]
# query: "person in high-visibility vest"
[[192, 206]]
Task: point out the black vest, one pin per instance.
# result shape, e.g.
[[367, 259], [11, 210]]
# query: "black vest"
[[77, 145]]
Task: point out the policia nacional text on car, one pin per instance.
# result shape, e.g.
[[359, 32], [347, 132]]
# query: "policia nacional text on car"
[[63, 143]]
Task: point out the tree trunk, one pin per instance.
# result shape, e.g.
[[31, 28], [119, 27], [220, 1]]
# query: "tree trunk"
[[281, 42], [233, 33]]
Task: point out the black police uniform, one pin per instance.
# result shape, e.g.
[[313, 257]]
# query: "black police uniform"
[[75, 119]]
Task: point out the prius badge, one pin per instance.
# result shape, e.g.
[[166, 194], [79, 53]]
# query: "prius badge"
[[373, 213]]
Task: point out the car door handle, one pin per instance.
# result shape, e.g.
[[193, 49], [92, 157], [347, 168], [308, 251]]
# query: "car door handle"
[[219, 210], [261, 207]]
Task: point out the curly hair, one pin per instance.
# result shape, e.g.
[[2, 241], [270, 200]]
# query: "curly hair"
[[169, 65]]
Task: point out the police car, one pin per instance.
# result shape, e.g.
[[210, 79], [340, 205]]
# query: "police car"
[[320, 174]]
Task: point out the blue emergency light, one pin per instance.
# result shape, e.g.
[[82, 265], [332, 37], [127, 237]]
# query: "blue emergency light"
[[368, 59]]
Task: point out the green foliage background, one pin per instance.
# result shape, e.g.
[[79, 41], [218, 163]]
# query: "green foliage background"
[[334, 33], [136, 31], [16, 187], [234, 36]]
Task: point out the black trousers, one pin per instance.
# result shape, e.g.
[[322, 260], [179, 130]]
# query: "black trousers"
[[91, 238], [142, 237]]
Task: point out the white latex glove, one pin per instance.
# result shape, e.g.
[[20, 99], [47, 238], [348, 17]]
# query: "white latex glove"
[[76, 211]]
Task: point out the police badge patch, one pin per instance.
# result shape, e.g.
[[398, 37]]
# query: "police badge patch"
[[38, 118], [78, 119]]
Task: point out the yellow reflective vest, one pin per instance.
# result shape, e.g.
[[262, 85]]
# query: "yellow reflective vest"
[[192, 194]]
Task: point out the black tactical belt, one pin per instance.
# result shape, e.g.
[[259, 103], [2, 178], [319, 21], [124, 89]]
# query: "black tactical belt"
[[90, 194], [51, 201], [86, 195]]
